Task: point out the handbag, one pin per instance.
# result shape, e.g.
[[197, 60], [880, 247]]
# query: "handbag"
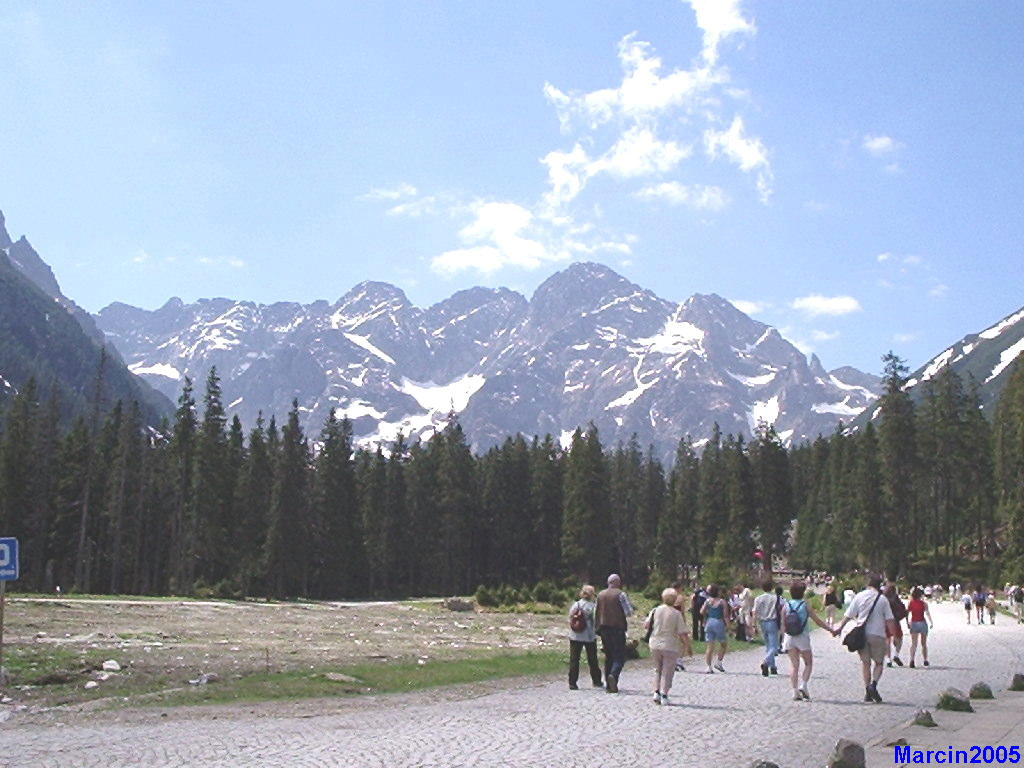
[[856, 638]]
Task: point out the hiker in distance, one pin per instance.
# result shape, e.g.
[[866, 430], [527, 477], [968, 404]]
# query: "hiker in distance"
[[716, 618], [917, 611], [768, 614], [582, 637], [797, 643], [668, 630], [613, 607], [872, 615]]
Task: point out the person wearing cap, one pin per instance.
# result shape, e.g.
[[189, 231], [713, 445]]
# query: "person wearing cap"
[[613, 608]]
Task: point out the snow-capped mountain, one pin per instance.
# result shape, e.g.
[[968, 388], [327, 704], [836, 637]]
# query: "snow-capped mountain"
[[588, 346], [988, 356]]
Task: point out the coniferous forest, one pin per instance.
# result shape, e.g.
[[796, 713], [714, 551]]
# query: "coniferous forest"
[[202, 506]]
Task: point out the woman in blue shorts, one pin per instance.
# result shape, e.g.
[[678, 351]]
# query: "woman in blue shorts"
[[716, 614]]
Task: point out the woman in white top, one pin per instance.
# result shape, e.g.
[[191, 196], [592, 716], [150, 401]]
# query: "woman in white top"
[[797, 615], [668, 628]]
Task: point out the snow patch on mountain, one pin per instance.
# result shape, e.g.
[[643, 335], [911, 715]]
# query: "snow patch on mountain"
[[157, 369], [443, 398], [1002, 325], [364, 342], [1007, 356], [766, 411], [753, 381], [843, 409], [676, 338]]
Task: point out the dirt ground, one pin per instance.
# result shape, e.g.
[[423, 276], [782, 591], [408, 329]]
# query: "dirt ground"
[[163, 644]]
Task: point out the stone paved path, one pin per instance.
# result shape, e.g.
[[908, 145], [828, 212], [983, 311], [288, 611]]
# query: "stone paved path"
[[715, 721]]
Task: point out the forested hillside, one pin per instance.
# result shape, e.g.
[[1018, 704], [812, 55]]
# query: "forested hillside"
[[41, 340], [206, 507]]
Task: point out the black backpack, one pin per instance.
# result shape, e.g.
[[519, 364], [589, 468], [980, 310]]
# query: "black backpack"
[[794, 625], [856, 638]]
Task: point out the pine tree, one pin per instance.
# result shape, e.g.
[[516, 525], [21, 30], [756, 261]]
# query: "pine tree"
[[182, 460], [587, 543], [897, 441], [288, 550], [546, 506], [677, 531], [339, 542], [773, 491], [213, 488]]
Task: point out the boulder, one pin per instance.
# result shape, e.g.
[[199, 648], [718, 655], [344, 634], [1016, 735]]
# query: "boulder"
[[954, 700], [91, 684], [763, 764], [205, 679], [981, 691], [111, 666], [1017, 684], [924, 718], [846, 754], [458, 604]]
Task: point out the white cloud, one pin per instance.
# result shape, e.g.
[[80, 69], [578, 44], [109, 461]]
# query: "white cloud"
[[642, 94], [913, 259], [880, 146], [939, 291], [396, 192], [141, 257], [423, 206], [638, 152], [697, 196], [904, 338], [498, 236], [749, 307], [883, 257], [815, 304], [824, 335], [815, 205], [236, 263], [749, 154], [719, 19]]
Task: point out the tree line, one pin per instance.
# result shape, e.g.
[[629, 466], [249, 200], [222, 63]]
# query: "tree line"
[[199, 505]]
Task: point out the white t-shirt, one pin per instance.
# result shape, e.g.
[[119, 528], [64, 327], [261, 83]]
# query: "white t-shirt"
[[861, 605]]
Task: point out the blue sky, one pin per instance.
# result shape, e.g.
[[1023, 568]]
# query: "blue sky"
[[849, 172]]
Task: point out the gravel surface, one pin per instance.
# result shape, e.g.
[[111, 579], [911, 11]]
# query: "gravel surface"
[[714, 720]]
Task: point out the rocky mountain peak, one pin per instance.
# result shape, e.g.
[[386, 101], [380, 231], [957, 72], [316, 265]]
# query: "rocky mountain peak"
[[5, 239]]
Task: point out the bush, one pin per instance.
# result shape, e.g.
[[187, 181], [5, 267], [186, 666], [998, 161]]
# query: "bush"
[[485, 597]]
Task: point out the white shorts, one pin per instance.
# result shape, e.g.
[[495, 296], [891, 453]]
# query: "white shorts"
[[801, 642]]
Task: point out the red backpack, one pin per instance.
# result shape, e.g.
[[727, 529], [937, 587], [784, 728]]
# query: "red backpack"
[[577, 618]]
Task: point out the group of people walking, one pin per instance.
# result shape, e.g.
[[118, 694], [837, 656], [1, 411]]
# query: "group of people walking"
[[876, 612]]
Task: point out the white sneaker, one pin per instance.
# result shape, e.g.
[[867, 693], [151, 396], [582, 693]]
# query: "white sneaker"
[[710, 671], [664, 699], [796, 695], [719, 667], [657, 698]]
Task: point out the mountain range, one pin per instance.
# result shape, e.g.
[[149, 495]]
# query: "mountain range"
[[589, 345]]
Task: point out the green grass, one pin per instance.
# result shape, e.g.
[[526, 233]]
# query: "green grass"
[[370, 678], [49, 665]]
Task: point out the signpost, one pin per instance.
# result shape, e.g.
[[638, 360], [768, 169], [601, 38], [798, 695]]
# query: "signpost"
[[8, 572]]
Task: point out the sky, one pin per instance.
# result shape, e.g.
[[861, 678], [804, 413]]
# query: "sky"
[[851, 173]]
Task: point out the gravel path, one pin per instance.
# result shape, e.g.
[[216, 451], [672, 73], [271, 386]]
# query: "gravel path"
[[715, 720]]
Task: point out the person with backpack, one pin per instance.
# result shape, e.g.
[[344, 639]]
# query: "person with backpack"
[[831, 605], [917, 610], [872, 615], [613, 608], [894, 635], [796, 613], [965, 601], [978, 598], [768, 614], [1018, 602], [990, 606], [582, 637], [667, 628]]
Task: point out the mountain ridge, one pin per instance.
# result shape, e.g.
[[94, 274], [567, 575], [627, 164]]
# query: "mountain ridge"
[[589, 345]]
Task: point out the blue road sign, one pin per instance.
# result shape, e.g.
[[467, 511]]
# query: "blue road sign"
[[8, 559]]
